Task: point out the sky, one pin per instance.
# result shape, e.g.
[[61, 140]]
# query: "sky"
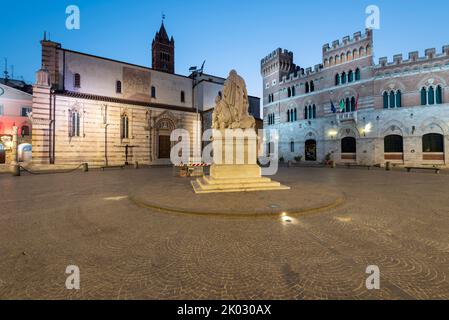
[[228, 34]]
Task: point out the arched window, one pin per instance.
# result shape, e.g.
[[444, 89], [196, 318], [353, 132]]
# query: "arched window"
[[385, 96], [310, 112], [118, 87], [343, 78], [355, 54], [288, 115], [392, 99], [310, 150], [289, 92], [77, 80], [348, 145], [307, 87], [348, 56], [352, 104], [350, 76], [337, 79], [292, 146], [312, 86], [153, 92], [357, 74], [398, 99], [296, 115], [423, 96], [361, 52], [293, 91], [183, 97], [342, 58], [433, 142], [25, 131], [306, 113], [393, 143], [331, 61], [314, 112], [124, 126], [431, 96], [368, 50], [348, 105], [74, 129], [439, 95]]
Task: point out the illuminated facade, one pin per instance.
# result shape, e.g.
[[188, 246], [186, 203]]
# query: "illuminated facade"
[[15, 106], [392, 111]]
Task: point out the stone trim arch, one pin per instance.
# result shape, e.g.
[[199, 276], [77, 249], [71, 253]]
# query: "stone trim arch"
[[393, 127], [432, 125]]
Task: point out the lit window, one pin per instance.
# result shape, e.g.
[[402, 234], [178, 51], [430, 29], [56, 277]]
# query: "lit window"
[[77, 80]]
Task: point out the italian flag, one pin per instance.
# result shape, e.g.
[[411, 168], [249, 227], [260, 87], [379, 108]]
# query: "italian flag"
[[342, 105]]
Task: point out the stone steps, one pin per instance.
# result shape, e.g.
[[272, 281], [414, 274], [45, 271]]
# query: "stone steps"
[[209, 185]]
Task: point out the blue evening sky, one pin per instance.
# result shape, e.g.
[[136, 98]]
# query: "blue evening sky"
[[227, 33]]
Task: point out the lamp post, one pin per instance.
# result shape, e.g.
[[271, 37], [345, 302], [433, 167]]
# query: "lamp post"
[[195, 74]]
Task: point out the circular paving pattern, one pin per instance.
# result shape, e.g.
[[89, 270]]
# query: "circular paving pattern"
[[302, 198]]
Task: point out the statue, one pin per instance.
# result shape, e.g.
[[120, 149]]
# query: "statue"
[[231, 109]]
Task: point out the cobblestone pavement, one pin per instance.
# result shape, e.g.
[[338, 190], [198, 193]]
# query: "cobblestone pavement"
[[398, 221]]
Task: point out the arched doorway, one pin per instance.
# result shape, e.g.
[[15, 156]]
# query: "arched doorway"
[[2, 154], [310, 150], [393, 147], [164, 129], [348, 148], [433, 147]]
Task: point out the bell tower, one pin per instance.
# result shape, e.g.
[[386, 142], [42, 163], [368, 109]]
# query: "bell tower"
[[163, 51]]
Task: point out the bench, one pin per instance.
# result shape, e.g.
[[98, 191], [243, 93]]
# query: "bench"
[[349, 165], [112, 167], [436, 169]]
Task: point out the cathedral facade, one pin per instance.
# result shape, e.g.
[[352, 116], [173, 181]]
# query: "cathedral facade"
[[95, 110], [350, 110]]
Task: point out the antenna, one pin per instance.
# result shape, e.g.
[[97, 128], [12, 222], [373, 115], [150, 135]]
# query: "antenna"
[[6, 69]]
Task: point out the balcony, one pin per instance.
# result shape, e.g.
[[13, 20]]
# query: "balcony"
[[347, 117]]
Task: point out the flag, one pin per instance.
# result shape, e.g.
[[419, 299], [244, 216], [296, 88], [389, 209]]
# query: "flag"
[[342, 105], [333, 109], [357, 103]]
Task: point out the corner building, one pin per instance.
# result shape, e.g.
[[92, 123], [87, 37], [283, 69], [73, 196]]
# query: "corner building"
[[395, 111]]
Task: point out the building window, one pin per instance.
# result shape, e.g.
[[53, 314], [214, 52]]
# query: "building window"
[[423, 96], [352, 104], [314, 112], [293, 91], [295, 115], [74, 130], [337, 79], [439, 95], [153, 92], [306, 113], [431, 96], [292, 146], [307, 87], [392, 99], [77, 80], [385, 95], [118, 87], [25, 131], [348, 105], [288, 115], [289, 92], [183, 97], [398, 99], [433, 142], [348, 145], [393, 143], [343, 78], [312, 86], [124, 126], [350, 76], [25, 111], [357, 74]]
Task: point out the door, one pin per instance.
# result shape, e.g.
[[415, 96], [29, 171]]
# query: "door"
[[164, 147], [2, 154], [310, 149]]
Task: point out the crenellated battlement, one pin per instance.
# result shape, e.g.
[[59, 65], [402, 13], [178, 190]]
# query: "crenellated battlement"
[[278, 53], [413, 56], [301, 73], [347, 40]]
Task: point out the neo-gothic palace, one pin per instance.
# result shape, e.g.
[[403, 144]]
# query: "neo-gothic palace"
[[106, 112], [349, 109]]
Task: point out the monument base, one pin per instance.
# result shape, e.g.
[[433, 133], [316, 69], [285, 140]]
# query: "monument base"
[[235, 178]]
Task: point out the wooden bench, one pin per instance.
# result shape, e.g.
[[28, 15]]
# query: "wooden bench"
[[436, 169], [112, 167]]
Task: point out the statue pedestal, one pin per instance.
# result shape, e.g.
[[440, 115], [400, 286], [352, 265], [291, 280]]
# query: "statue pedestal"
[[235, 168]]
